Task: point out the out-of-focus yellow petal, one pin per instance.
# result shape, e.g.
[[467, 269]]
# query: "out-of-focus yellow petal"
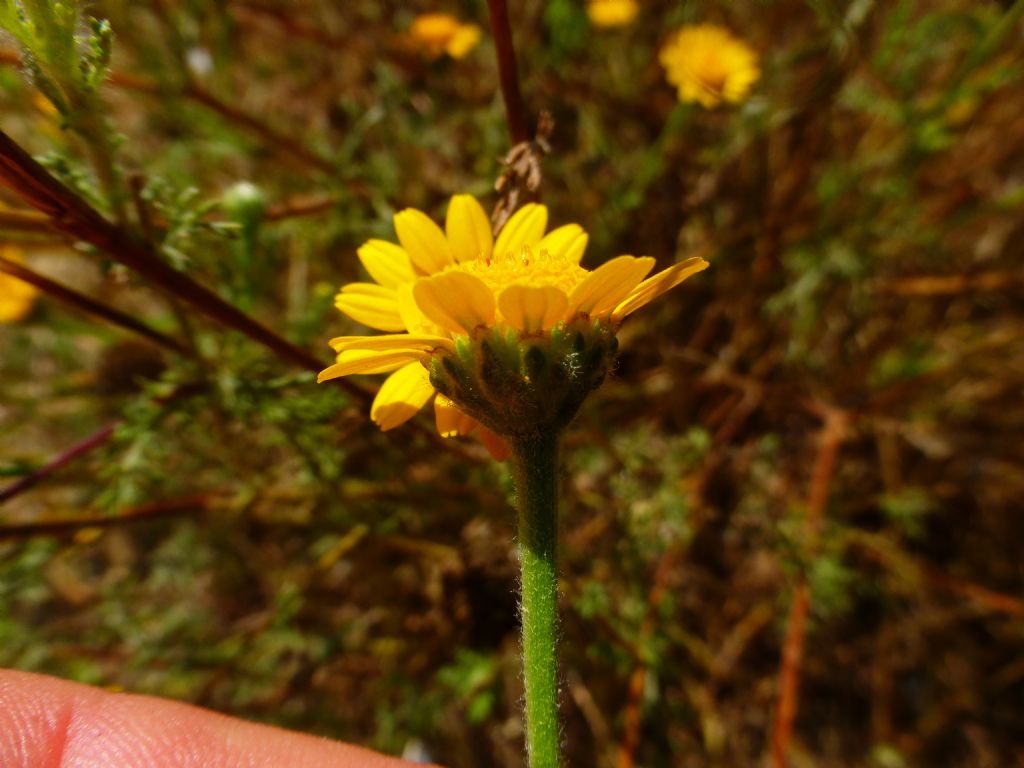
[[463, 41], [372, 305], [17, 298], [653, 287], [568, 242], [606, 286], [386, 262], [401, 396], [525, 227], [456, 301], [392, 341], [436, 34], [532, 308], [611, 13], [450, 420], [468, 229], [495, 446], [423, 240], [370, 361]]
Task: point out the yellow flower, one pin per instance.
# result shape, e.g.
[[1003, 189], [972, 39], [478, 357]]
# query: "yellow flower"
[[444, 296], [707, 64], [17, 298], [437, 34], [612, 13]]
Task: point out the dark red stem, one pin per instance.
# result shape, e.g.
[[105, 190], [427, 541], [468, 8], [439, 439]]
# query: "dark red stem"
[[515, 111]]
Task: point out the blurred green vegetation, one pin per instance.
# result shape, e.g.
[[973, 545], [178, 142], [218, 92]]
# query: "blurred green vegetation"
[[250, 542]]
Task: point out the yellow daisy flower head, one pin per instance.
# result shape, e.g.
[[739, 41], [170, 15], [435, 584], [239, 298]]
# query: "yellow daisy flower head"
[[437, 34], [17, 298], [506, 334], [708, 65], [612, 13]]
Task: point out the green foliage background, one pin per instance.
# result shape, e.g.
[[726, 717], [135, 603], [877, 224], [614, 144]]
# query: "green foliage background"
[[862, 211]]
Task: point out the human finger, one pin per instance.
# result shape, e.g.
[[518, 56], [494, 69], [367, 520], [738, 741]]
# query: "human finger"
[[49, 722]]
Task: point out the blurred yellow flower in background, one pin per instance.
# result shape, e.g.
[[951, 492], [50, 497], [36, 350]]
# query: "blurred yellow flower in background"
[[437, 34], [49, 119], [45, 107], [708, 65], [442, 288], [612, 13], [17, 298]]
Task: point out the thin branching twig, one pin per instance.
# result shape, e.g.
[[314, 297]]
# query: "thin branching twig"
[[85, 446], [76, 451], [194, 503], [90, 306], [282, 144], [73, 215]]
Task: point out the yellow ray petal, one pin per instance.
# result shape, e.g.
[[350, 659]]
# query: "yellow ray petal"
[[450, 420], [526, 227], [392, 341], [386, 262], [372, 305], [457, 302], [653, 287], [370, 361], [423, 240], [532, 308], [574, 252], [606, 286], [413, 316], [468, 229], [568, 242], [401, 396]]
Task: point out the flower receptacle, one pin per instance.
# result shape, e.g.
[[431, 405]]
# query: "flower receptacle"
[[521, 384]]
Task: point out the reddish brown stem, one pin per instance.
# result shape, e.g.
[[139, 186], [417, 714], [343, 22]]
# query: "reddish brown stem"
[[82, 447], [989, 599], [197, 502], [789, 674], [254, 125], [73, 215], [24, 221], [638, 680], [307, 207], [983, 597], [831, 438], [515, 111], [96, 439], [90, 306]]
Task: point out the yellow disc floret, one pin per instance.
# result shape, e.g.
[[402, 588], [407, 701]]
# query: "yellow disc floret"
[[525, 268]]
